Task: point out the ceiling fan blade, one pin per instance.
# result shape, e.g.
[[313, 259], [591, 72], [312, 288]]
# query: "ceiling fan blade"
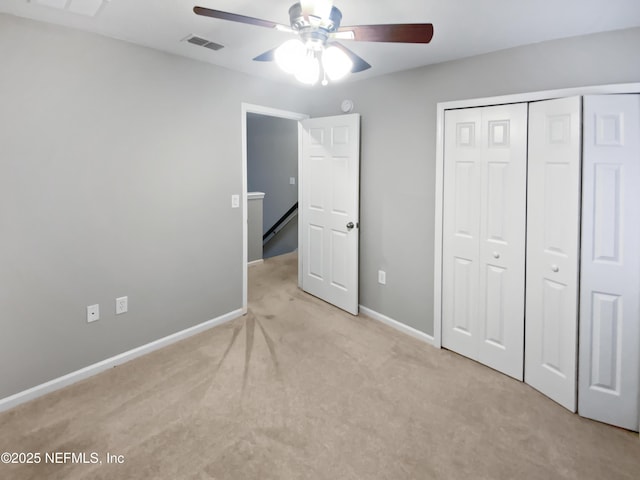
[[268, 56], [358, 63], [401, 33], [234, 17]]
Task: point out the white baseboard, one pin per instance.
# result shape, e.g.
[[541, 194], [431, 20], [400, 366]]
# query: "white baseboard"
[[399, 326], [86, 372], [255, 262]]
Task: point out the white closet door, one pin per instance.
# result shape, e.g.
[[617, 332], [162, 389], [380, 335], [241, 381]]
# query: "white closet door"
[[553, 229], [461, 231], [484, 235], [503, 197], [610, 267]]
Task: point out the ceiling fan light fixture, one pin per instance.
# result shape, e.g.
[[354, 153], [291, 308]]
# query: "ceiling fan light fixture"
[[336, 63], [290, 55], [321, 9], [317, 23], [308, 69], [314, 14]]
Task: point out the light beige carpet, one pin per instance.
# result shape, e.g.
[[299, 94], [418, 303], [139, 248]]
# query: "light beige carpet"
[[300, 390]]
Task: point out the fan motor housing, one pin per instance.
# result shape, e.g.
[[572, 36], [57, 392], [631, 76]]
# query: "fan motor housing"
[[314, 29]]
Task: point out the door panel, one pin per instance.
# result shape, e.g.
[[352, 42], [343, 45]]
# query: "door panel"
[[553, 232], [330, 201], [494, 293], [610, 267], [554, 296], [465, 180], [502, 238], [315, 245], [339, 249], [605, 357], [498, 186], [463, 279], [484, 235], [461, 231], [317, 190]]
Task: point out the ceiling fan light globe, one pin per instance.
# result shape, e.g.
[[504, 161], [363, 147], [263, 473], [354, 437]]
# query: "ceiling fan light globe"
[[308, 70], [336, 63], [289, 55]]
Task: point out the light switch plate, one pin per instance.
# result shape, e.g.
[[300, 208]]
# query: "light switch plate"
[[122, 305], [292, 180], [235, 201]]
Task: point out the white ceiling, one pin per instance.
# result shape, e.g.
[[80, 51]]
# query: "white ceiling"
[[462, 27]]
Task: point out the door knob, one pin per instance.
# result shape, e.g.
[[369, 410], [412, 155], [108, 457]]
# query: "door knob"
[[555, 268], [350, 225], [496, 255]]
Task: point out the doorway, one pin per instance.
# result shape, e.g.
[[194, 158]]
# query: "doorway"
[[272, 173], [249, 112]]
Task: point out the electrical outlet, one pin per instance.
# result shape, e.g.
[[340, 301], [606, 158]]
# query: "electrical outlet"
[[382, 277], [292, 180], [122, 305], [235, 201], [93, 313]]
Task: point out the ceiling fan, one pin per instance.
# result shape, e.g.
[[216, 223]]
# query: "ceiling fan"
[[315, 55]]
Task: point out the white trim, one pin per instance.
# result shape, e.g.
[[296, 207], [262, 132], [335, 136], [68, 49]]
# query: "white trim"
[[271, 112], [437, 262], [86, 372], [401, 327], [300, 193], [541, 95], [480, 102], [255, 262], [255, 195]]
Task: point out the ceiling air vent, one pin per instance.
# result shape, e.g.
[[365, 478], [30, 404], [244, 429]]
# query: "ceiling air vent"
[[203, 42]]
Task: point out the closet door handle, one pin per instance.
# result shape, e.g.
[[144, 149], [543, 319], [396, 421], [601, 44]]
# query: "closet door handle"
[[555, 268], [496, 255]]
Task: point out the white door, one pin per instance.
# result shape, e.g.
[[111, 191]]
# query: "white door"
[[553, 229], [461, 231], [330, 209], [610, 268], [484, 235]]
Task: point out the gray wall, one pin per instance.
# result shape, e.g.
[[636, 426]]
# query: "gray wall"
[[284, 242], [254, 229], [398, 137], [117, 166], [272, 158]]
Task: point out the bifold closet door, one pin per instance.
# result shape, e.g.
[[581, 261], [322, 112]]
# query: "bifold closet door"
[[484, 235], [610, 268], [553, 237]]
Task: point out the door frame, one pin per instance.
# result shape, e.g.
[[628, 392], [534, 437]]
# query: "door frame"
[[247, 108], [439, 178]]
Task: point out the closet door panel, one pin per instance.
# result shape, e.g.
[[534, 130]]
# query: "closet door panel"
[[461, 227], [502, 238], [484, 235], [553, 232], [610, 266]]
